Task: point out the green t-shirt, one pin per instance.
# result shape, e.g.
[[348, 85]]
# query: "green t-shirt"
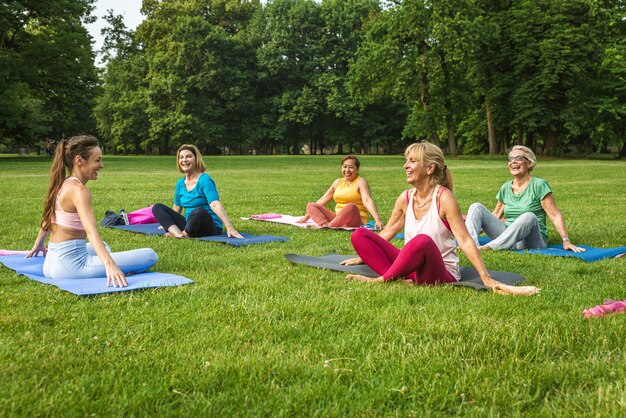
[[527, 201]]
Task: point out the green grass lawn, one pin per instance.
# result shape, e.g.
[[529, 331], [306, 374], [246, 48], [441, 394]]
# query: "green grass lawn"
[[256, 335]]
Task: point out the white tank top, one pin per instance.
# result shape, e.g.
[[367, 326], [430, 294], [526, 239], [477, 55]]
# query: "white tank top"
[[432, 225]]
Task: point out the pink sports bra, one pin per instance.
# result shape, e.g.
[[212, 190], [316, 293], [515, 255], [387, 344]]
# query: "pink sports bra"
[[67, 219]]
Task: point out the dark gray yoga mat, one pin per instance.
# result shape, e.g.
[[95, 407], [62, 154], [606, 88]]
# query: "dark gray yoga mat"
[[469, 275]]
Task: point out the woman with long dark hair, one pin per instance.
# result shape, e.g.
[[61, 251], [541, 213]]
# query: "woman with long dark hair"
[[69, 221]]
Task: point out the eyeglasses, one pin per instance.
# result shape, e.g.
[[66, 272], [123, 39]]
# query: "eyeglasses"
[[517, 158]]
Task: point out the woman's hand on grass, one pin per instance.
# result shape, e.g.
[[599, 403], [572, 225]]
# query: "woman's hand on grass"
[[351, 262], [505, 289]]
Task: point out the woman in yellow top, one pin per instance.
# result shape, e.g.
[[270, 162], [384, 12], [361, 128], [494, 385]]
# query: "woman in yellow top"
[[353, 199]]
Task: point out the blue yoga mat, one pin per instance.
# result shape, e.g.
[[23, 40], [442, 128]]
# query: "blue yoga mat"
[[33, 269], [248, 239], [592, 254]]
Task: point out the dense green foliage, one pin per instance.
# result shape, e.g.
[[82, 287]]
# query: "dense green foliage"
[[239, 76], [256, 336], [48, 80]]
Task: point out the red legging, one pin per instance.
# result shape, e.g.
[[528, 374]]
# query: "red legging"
[[419, 260], [348, 216]]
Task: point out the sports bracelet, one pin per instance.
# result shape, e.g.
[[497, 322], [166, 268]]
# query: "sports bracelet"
[[565, 239]]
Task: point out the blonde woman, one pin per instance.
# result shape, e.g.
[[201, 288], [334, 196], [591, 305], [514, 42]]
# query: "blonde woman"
[[197, 210], [432, 223]]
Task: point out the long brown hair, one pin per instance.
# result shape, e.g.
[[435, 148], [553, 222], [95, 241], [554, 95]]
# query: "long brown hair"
[[429, 153], [64, 155]]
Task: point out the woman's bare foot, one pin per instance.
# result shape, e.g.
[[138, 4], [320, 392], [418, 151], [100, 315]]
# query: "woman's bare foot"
[[174, 231], [361, 278], [182, 235]]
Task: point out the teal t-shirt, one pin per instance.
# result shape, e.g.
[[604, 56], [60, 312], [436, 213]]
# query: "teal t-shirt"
[[527, 201], [203, 194]]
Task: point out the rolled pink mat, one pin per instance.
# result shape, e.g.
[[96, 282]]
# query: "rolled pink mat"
[[607, 308]]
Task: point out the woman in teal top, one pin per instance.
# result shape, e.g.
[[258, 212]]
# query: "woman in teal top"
[[523, 204], [195, 195]]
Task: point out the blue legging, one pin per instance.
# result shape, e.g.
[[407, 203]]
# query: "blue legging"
[[76, 259], [523, 233]]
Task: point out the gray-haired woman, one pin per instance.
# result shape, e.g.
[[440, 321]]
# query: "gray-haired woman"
[[522, 203]]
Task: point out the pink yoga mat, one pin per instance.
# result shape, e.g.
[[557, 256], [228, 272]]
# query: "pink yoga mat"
[[292, 220], [11, 252]]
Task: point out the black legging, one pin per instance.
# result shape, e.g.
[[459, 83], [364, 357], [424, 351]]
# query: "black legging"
[[199, 223]]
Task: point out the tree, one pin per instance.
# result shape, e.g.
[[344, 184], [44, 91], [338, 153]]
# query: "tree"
[[553, 63], [198, 74], [120, 110], [416, 52], [49, 79], [288, 54]]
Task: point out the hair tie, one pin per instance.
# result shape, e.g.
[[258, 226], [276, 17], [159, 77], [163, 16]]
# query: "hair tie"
[[445, 167]]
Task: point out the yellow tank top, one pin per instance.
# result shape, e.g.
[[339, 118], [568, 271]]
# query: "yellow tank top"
[[345, 194]]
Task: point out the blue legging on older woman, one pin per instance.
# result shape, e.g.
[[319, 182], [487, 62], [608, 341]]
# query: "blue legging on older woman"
[[524, 233]]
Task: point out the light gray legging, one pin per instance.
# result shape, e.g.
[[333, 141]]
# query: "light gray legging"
[[523, 233], [76, 259]]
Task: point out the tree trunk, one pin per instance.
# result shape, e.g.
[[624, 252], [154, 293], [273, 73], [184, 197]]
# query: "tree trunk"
[[622, 152], [451, 141], [163, 145], [295, 141], [425, 94], [434, 138], [530, 139], [550, 147], [491, 131], [447, 104], [520, 135], [506, 140]]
